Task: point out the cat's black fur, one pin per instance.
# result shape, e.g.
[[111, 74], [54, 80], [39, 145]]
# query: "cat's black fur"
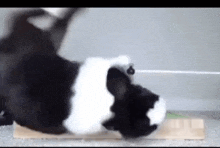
[[33, 72], [36, 82], [130, 111]]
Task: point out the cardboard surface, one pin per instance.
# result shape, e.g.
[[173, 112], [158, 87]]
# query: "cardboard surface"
[[175, 116], [180, 129], [25, 133], [170, 129]]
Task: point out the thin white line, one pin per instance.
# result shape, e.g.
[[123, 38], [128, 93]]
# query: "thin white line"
[[177, 72]]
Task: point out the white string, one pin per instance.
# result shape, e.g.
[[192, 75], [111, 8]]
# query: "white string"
[[178, 72]]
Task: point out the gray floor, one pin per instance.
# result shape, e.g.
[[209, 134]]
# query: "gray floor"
[[212, 125]]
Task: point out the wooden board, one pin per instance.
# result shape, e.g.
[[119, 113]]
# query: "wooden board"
[[170, 129]]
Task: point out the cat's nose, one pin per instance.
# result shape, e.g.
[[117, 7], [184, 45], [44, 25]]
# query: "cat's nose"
[[131, 70]]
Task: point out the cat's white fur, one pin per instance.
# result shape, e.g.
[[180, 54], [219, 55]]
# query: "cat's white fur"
[[90, 105], [55, 11], [158, 113]]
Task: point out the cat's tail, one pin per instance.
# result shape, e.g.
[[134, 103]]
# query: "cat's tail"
[[19, 19], [18, 22]]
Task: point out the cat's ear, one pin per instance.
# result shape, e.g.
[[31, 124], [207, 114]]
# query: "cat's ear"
[[117, 83]]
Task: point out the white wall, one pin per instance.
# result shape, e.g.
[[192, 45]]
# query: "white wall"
[[185, 39]]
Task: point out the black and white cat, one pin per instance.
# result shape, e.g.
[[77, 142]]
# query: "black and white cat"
[[46, 92]]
